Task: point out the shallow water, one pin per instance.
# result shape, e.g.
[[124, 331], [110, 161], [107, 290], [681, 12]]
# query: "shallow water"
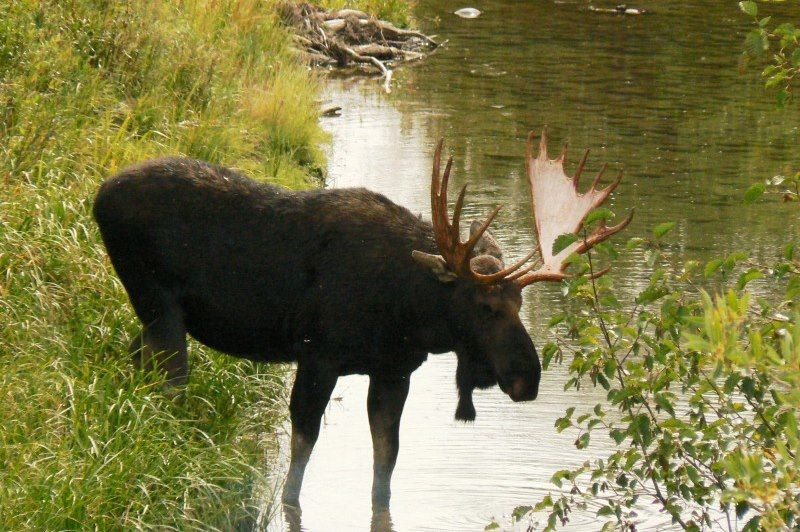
[[661, 94]]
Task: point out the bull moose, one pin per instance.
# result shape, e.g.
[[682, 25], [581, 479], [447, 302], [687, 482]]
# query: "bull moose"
[[340, 281]]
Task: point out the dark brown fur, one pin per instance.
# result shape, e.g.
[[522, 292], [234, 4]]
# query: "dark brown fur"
[[324, 278]]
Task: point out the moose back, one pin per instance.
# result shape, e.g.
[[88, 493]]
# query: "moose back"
[[339, 281]]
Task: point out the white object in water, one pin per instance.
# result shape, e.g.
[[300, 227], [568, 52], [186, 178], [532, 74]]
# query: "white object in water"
[[468, 12]]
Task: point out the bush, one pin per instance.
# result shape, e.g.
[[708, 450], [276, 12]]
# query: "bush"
[[702, 395]]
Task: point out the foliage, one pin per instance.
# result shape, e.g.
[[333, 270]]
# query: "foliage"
[[787, 187], [702, 394], [86, 87], [782, 41]]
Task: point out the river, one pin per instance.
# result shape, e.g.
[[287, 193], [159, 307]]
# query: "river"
[[664, 96]]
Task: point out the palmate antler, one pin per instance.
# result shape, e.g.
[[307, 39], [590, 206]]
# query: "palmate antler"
[[558, 208]]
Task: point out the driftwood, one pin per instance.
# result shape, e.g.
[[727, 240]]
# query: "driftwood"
[[621, 9], [349, 37]]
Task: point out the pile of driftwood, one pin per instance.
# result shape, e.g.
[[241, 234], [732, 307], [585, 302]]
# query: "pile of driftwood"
[[349, 37]]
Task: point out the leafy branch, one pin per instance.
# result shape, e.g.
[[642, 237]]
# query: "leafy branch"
[[782, 42]]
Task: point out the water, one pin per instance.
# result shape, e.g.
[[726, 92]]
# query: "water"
[[662, 95]]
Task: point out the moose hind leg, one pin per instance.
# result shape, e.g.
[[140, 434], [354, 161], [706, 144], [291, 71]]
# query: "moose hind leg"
[[163, 348], [161, 345], [385, 401], [312, 390]]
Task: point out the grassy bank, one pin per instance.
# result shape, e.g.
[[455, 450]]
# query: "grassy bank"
[[87, 87]]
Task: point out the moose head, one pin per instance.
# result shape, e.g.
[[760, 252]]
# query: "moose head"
[[493, 345]]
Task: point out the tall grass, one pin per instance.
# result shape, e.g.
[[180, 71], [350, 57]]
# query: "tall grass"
[[86, 87]]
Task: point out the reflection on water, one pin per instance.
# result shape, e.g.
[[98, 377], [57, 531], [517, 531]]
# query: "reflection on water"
[[661, 93]]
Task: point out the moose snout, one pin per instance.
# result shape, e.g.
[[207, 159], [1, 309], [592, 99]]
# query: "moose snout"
[[523, 389], [520, 388]]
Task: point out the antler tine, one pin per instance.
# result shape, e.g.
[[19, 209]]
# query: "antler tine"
[[523, 271], [443, 188], [543, 142], [439, 213], [457, 212], [505, 272], [603, 194], [579, 169], [473, 239], [435, 172], [603, 233], [598, 176], [597, 275], [563, 156], [529, 147], [610, 188]]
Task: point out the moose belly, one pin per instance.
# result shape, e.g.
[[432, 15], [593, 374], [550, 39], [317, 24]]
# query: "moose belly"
[[237, 334]]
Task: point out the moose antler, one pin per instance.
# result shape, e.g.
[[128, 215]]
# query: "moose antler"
[[455, 253], [559, 208]]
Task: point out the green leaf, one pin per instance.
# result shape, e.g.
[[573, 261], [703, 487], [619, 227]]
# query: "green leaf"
[[642, 424], [598, 214], [563, 241], [796, 57], [663, 402], [635, 242], [749, 7], [605, 511], [583, 441], [749, 275], [521, 511], [617, 435], [549, 350], [793, 288], [754, 192], [781, 97], [562, 424], [712, 266], [650, 294], [663, 228], [753, 524], [492, 526], [559, 476], [756, 42]]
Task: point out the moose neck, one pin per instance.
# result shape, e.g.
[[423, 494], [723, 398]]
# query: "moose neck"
[[430, 328]]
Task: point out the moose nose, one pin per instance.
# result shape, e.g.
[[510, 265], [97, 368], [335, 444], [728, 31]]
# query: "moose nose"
[[523, 390]]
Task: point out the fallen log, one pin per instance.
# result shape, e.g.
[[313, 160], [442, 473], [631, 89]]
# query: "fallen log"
[[344, 13], [349, 36]]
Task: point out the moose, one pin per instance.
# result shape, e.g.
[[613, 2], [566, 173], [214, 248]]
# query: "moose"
[[340, 281]]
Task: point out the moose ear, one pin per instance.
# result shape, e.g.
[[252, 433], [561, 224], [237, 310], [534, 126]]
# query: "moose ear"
[[486, 244], [436, 264]]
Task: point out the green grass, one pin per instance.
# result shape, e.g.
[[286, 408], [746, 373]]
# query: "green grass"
[[87, 87]]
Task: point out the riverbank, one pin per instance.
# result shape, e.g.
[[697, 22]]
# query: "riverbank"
[[86, 89]]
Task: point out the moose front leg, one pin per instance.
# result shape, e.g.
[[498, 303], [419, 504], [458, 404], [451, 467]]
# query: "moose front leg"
[[385, 402], [312, 390]]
